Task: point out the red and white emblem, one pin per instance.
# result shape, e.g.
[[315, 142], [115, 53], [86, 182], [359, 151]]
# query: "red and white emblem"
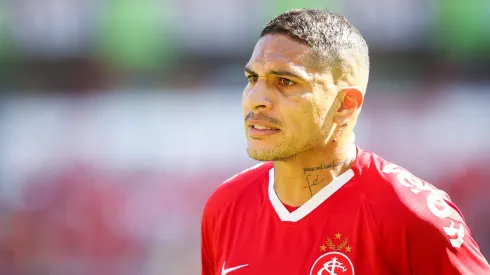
[[332, 263]]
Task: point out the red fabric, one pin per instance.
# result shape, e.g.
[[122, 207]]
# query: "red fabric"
[[290, 208], [382, 221]]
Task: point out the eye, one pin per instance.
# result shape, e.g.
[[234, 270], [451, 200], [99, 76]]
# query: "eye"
[[252, 78], [286, 82]]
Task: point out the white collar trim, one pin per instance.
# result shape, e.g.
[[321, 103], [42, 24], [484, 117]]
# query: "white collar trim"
[[312, 203]]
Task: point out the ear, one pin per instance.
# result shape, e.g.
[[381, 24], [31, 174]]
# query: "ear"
[[351, 99]]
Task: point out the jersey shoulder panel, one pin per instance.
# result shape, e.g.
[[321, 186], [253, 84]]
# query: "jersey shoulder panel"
[[228, 191], [388, 184], [396, 194], [417, 222]]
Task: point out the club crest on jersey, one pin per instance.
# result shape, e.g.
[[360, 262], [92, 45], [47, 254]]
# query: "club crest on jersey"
[[334, 262]]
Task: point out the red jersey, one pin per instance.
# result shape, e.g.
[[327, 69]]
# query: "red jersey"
[[375, 218]]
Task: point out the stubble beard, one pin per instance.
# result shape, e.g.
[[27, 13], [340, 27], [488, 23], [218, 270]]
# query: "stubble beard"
[[285, 151]]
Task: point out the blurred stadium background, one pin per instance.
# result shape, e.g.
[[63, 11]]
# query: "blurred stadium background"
[[119, 118]]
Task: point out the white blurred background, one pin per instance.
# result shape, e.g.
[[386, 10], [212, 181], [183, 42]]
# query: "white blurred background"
[[118, 119]]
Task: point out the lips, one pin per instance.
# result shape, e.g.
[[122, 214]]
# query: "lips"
[[262, 125], [261, 129]]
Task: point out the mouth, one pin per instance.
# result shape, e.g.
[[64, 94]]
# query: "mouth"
[[261, 131], [259, 127]]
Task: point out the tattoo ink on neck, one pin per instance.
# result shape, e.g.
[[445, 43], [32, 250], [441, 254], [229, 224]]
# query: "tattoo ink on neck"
[[342, 128], [315, 181], [323, 166]]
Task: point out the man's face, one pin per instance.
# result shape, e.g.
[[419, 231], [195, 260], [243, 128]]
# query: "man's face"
[[286, 102]]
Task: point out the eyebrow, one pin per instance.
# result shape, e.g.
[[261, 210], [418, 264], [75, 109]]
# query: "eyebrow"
[[278, 73]]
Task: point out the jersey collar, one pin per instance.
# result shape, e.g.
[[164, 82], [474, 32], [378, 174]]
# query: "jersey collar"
[[312, 203]]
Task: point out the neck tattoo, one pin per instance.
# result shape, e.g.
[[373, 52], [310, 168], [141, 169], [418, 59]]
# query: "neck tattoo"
[[313, 173]]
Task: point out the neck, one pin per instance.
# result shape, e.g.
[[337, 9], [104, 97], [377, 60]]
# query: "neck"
[[300, 178]]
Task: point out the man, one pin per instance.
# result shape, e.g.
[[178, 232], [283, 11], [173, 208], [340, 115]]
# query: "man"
[[321, 205]]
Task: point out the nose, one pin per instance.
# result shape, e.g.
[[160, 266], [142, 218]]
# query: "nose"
[[257, 98]]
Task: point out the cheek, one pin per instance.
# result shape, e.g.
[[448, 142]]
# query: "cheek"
[[306, 121], [307, 115], [319, 110], [313, 111]]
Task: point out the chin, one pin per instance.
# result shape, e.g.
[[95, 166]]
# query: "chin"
[[263, 154]]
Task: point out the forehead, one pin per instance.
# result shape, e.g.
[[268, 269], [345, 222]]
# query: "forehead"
[[276, 50]]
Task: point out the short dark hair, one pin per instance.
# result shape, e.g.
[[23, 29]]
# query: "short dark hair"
[[328, 34]]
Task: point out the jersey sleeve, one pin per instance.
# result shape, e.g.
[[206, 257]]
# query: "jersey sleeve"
[[424, 232], [207, 251]]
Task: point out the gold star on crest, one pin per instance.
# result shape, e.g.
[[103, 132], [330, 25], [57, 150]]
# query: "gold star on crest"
[[334, 245]]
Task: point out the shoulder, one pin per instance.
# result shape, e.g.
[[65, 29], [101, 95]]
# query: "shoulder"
[[233, 188], [415, 220], [393, 190]]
